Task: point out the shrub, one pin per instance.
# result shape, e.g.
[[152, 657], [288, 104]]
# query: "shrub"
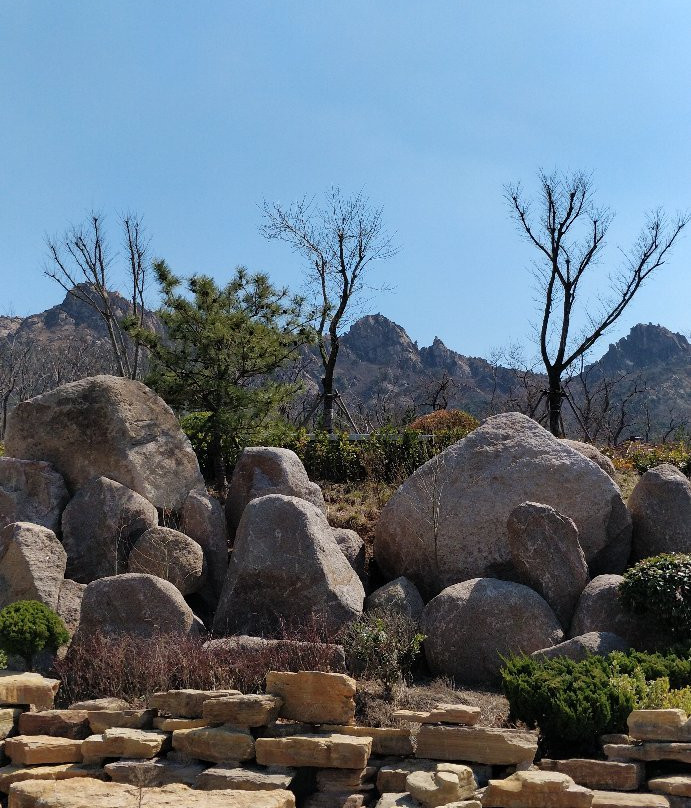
[[661, 586], [3, 660], [27, 627], [382, 645], [573, 703], [457, 421], [678, 454]]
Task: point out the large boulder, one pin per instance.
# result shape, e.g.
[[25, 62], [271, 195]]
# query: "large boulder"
[[99, 526], [70, 603], [170, 555], [548, 557], [32, 564], [106, 425], [400, 597], [447, 523], [592, 453], [263, 470], [600, 609], [203, 520], [353, 548], [578, 648], [285, 566], [135, 604], [470, 625], [31, 491], [660, 507]]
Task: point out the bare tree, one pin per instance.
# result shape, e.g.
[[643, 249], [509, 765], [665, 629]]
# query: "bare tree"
[[569, 233], [14, 361], [340, 238], [80, 261]]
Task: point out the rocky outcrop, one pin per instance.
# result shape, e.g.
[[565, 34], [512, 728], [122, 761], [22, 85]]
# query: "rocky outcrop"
[[31, 491], [107, 426], [447, 523], [134, 604], [170, 555], [400, 597], [264, 470], [600, 609], [547, 556], [286, 566], [32, 564], [99, 526], [660, 507], [470, 625]]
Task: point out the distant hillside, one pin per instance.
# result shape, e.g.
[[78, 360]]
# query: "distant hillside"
[[382, 374]]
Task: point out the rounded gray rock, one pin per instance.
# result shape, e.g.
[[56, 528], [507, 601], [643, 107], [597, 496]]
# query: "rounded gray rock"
[[107, 426], [470, 625], [263, 470], [170, 555], [447, 522], [286, 566], [99, 527], [353, 548], [31, 491], [578, 648], [32, 564], [203, 520], [660, 506], [400, 596], [594, 454], [134, 604]]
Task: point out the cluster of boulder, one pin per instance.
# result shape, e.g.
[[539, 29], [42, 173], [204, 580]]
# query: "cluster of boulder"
[[509, 541], [297, 743]]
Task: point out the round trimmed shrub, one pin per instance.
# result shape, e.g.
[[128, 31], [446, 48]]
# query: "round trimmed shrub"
[[27, 627], [661, 586]]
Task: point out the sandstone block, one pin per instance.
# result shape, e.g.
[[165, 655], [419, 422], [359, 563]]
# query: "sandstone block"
[[61, 771], [153, 773], [314, 697], [166, 724], [403, 800], [9, 718], [120, 742], [243, 711], [59, 723], [503, 747], [649, 751], [677, 785], [441, 786], [320, 751], [605, 775], [617, 799], [95, 794], [186, 703], [36, 750], [101, 720], [536, 790], [244, 778], [106, 703], [385, 740], [441, 714], [215, 744], [659, 725], [392, 776], [344, 779]]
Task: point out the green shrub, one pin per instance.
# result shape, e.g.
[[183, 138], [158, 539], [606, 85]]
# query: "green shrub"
[[573, 703], [382, 645], [646, 458], [27, 627], [661, 586], [3, 660]]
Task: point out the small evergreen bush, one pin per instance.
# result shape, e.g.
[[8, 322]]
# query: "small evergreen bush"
[[661, 586], [382, 645], [27, 627], [3, 660], [573, 703]]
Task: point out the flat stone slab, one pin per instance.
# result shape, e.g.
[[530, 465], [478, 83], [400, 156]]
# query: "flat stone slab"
[[27, 688], [166, 724], [319, 751], [121, 742], [314, 697], [153, 773], [617, 799], [9, 718], [95, 794], [385, 740], [501, 747], [605, 775], [244, 778], [536, 789], [392, 776], [442, 714], [58, 723], [36, 750], [186, 703], [680, 752], [254, 710], [675, 785], [62, 771], [101, 720], [215, 744], [660, 725]]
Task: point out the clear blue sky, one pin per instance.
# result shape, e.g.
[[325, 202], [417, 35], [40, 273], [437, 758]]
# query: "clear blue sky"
[[193, 113]]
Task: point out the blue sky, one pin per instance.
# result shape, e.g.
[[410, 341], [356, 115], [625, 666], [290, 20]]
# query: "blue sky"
[[193, 113]]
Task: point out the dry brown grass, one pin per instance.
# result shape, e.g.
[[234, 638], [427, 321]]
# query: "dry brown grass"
[[375, 708], [357, 506]]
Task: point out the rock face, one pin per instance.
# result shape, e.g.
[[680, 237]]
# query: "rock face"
[[106, 425], [286, 565], [661, 511], [578, 648], [399, 596], [592, 453], [263, 470], [32, 564], [600, 610], [447, 523], [548, 557], [141, 605], [31, 491], [99, 527], [469, 625], [203, 520], [170, 555]]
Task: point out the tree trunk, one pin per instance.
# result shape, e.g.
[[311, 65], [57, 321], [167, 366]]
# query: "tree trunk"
[[328, 411], [218, 463], [555, 401]]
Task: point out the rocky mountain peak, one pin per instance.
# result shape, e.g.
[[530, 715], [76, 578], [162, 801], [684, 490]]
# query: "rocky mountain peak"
[[645, 345], [376, 339]]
